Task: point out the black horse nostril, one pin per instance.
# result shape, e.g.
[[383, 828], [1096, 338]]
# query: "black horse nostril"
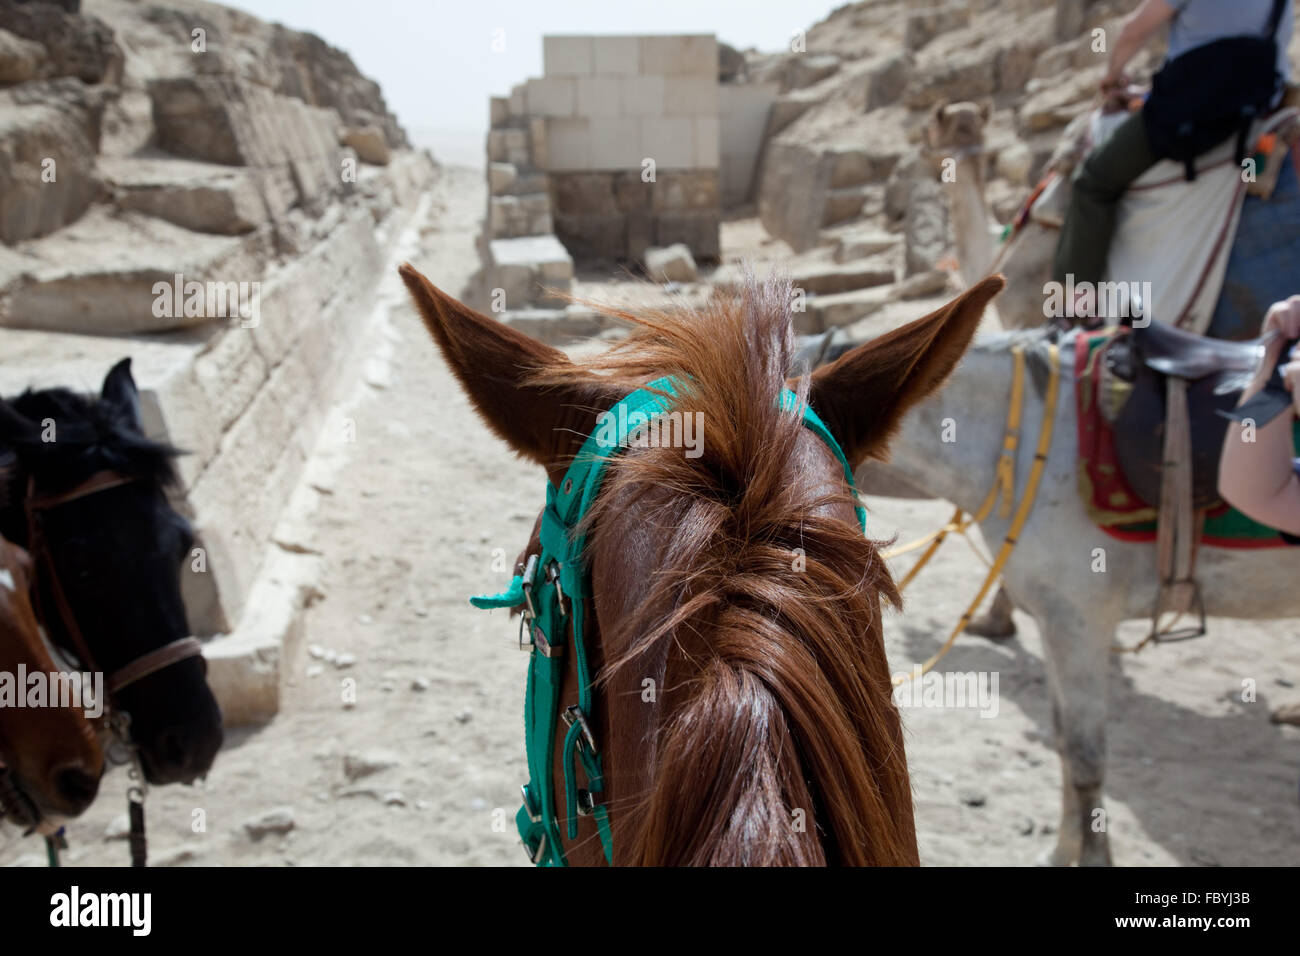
[[76, 786]]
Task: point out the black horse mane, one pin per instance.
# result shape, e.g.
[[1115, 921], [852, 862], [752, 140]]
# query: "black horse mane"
[[91, 434]]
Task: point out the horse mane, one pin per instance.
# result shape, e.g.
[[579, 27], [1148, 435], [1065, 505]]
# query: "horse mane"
[[777, 694], [91, 434]]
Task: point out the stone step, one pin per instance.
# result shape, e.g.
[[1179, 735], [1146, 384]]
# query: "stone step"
[[859, 166], [853, 202], [844, 308], [558, 326], [827, 279], [860, 244]]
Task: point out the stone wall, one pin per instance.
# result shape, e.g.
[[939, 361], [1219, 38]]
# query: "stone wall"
[[264, 161], [615, 149], [745, 110]]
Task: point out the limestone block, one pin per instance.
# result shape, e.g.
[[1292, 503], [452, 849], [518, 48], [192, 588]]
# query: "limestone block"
[[643, 95], [552, 96], [886, 82], [922, 26], [678, 55], [825, 279], [791, 195], [498, 110], [592, 237], [516, 146], [860, 245], [600, 95], [537, 142], [743, 112], [671, 264], [199, 196], [20, 60], [707, 142], [615, 142], [698, 230], [518, 102], [633, 194], [584, 194], [567, 55], [38, 139], [369, 143], [616, 55], [691, 95], [520, 267], [568, 144], [857, 166], [806, 69], [74, 44], [501, 176], [682, 190], [669, 141], [639, 230]]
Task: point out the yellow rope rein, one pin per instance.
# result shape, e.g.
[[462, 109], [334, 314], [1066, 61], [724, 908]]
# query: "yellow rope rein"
[[1004, 486]]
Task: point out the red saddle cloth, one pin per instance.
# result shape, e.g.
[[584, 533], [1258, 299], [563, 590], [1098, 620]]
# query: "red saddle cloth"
[[1106, 495]]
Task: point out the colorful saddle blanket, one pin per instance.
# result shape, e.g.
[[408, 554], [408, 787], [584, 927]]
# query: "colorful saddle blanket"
[[1106, 494]]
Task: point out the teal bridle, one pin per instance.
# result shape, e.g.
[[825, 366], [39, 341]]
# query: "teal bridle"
[[552, 593]]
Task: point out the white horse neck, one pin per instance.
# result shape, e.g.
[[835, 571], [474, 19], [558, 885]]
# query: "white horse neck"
[[949, 444]]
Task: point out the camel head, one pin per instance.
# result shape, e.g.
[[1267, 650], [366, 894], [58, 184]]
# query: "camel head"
[[956, 127]]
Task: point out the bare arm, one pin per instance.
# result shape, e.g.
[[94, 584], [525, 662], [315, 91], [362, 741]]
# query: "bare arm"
[[1258, 478], [1139, 27]]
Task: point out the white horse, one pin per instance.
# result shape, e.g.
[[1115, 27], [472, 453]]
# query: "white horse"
[[1050, 573]]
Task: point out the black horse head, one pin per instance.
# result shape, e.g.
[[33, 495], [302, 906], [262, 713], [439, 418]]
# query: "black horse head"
[[116, 556]]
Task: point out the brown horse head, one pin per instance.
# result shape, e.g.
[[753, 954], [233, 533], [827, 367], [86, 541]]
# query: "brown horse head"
[[51, 754], [744, 703]]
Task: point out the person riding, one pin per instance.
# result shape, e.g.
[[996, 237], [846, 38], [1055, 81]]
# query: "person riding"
[[1261, 478], [1224, 68]]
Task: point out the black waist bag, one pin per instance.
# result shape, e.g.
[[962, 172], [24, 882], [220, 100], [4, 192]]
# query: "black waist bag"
[[1210, 93]]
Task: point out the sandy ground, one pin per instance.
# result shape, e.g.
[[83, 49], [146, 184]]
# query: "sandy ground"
[[426, 767]]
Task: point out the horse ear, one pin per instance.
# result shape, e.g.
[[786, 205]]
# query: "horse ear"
[[120, 391], [863, 395], [496, 365]]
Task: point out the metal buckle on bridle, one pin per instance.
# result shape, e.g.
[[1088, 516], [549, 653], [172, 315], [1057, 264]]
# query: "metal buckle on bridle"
[[573, 714], [585, 800], [535, 816], [553, 577], [529, 612]]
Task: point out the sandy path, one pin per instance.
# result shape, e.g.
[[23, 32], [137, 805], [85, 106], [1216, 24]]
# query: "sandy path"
[[407, 519]]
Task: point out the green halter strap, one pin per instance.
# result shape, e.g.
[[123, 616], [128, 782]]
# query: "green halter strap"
[[552, 592]]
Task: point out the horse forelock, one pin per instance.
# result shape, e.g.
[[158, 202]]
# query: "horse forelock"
[[89, 434], [766, 604]]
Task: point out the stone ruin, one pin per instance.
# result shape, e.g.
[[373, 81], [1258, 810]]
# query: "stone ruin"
[[130, 152], [626, 144]]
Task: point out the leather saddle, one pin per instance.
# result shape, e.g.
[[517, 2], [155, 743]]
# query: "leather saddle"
[[1215, 371]]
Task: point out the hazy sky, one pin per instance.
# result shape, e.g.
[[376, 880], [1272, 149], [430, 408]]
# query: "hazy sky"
[[434, 58]]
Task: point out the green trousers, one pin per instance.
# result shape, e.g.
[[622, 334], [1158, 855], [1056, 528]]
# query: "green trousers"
[[1099, 182]]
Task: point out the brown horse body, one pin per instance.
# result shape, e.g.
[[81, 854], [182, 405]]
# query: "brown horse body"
[[52, 750], [744, 702]]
